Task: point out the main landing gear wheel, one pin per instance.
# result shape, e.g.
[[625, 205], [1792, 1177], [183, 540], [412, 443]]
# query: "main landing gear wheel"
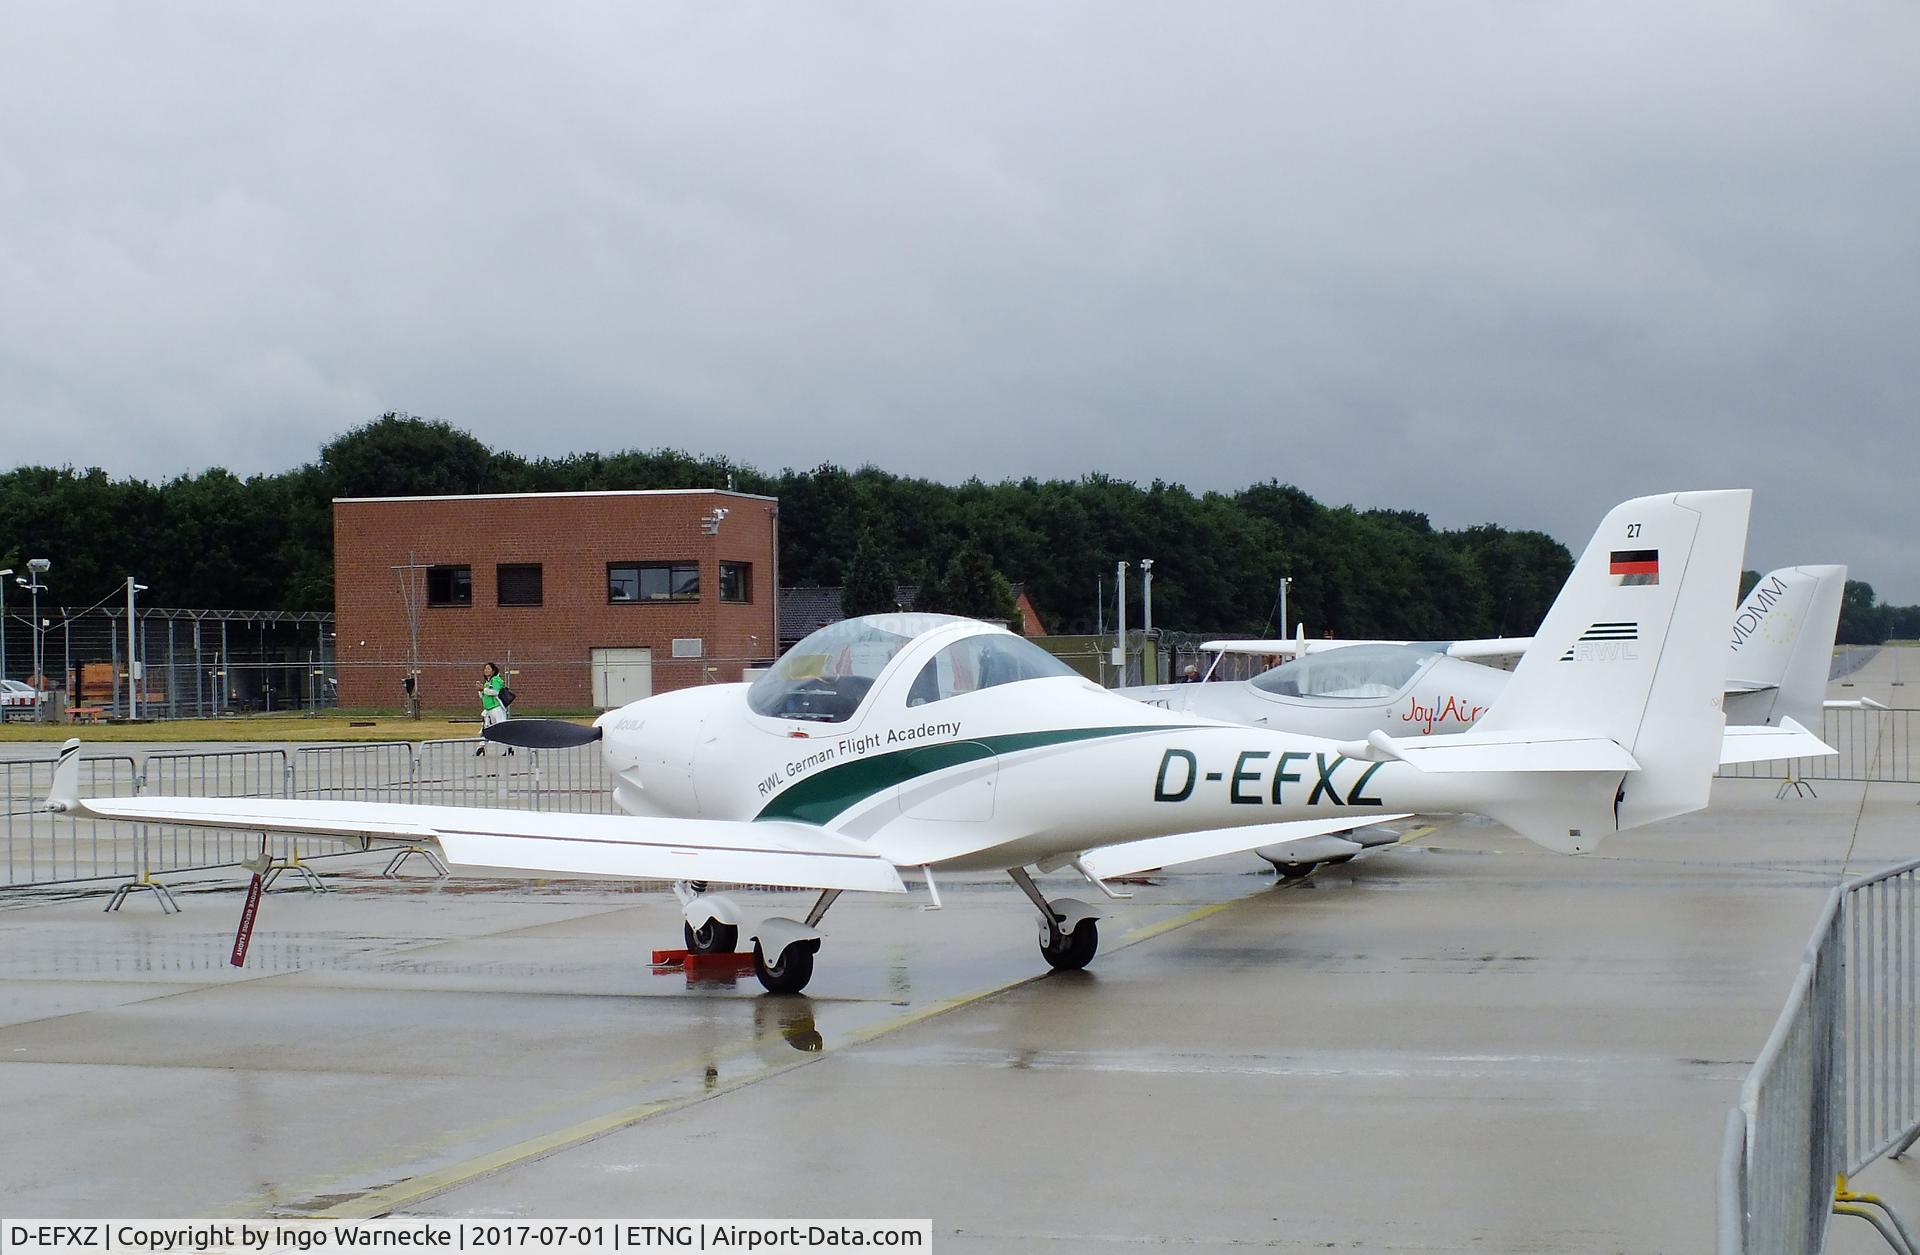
[[1295, 871], [791, 974], [712, 937], [1069, 952]]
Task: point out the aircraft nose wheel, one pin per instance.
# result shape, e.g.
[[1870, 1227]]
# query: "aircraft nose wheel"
[[791, 974], [1069, 952], [712, 937]]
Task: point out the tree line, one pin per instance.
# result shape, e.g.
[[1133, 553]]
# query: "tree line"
[[216, 540]]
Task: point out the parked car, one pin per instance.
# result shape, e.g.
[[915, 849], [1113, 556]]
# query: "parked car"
[[19, 700]]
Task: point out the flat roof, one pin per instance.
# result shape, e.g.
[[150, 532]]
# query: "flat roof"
[[599, 492]]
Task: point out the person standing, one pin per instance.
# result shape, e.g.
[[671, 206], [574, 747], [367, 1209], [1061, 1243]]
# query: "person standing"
[[492, 709]]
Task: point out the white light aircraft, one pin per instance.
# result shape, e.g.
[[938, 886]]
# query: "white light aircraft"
[[896, 742], [1781, 645]]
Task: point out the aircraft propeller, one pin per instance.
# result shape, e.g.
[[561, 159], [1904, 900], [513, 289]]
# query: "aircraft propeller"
[[541, 734]]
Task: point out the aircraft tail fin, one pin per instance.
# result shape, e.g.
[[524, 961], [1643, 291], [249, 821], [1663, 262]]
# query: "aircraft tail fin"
[[1783, 646], [1634, 651]]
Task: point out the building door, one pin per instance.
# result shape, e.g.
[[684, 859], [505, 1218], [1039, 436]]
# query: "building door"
[[621, 676]]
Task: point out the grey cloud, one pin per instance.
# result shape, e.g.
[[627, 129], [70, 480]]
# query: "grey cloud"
[[1495, 262]]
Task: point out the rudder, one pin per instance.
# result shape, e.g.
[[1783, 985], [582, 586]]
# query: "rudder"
[[1635, 650], [1783, 646]]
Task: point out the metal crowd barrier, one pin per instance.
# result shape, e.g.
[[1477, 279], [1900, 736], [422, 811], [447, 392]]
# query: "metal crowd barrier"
[[42, 848], [372, 771], [240, 773], [1837, 1085], [1872, 745]]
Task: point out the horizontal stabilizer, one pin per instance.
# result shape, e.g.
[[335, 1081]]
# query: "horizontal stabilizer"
[[1129, 857], [1857, 703], [1495, 751], [630, 847], [1755, 743]]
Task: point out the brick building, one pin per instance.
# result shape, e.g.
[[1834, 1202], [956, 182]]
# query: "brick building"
[[583, 598]]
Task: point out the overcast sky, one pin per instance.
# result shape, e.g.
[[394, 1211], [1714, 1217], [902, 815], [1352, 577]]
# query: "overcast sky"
[[1498, 262]]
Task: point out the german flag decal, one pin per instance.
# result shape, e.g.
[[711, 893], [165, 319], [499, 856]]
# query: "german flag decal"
[[1635, 566]]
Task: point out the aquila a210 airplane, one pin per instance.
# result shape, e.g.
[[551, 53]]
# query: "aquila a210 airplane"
[[895, 742]]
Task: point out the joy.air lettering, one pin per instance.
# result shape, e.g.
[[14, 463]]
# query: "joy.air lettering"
[[1453, 709]]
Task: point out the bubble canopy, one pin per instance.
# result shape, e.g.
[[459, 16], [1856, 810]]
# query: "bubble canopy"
[[1356, 673], [826, 676]]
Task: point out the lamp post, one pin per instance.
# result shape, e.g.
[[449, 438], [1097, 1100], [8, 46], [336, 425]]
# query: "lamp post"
[[36, 567], [3, 624], [1286, 629], [133, 654], [1146, 624]]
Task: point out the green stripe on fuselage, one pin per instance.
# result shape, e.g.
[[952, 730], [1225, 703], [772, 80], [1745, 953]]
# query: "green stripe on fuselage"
[[819, 798]]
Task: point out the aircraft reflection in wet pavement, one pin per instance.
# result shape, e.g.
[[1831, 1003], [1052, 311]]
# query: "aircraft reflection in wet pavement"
[[921, 741], [1782, 643]]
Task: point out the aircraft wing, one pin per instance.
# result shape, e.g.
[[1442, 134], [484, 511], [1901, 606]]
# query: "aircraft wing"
[[626, 846], [1492, 647], [1286, 648], [1745, 743], [1853, 703], [1472, 651], [1128, 857]]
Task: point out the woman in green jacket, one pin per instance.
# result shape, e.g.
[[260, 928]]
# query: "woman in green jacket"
[[492, 709]]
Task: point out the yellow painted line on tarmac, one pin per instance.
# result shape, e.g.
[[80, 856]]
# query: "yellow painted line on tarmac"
[[1150, 931], [387, 1199]]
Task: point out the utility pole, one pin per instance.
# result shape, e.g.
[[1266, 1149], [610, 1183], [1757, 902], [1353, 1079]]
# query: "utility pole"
[[133, 654], [413, 595], [36, 567], [1286, 627], [1120, 619], [3, 623]]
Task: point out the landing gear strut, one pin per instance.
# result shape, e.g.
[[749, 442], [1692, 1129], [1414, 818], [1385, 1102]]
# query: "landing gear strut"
[[1069, 928]]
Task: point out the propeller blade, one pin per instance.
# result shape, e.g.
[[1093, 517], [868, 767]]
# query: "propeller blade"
[[541, 734]]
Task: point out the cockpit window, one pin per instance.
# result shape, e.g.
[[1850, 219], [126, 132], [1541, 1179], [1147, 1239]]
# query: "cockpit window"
[[826, 676], [982, 662], [1356, 673]]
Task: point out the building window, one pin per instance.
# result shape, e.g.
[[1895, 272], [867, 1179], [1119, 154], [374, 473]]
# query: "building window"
[[653, 581], [449, 586], [518, 583], [736, 581]]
